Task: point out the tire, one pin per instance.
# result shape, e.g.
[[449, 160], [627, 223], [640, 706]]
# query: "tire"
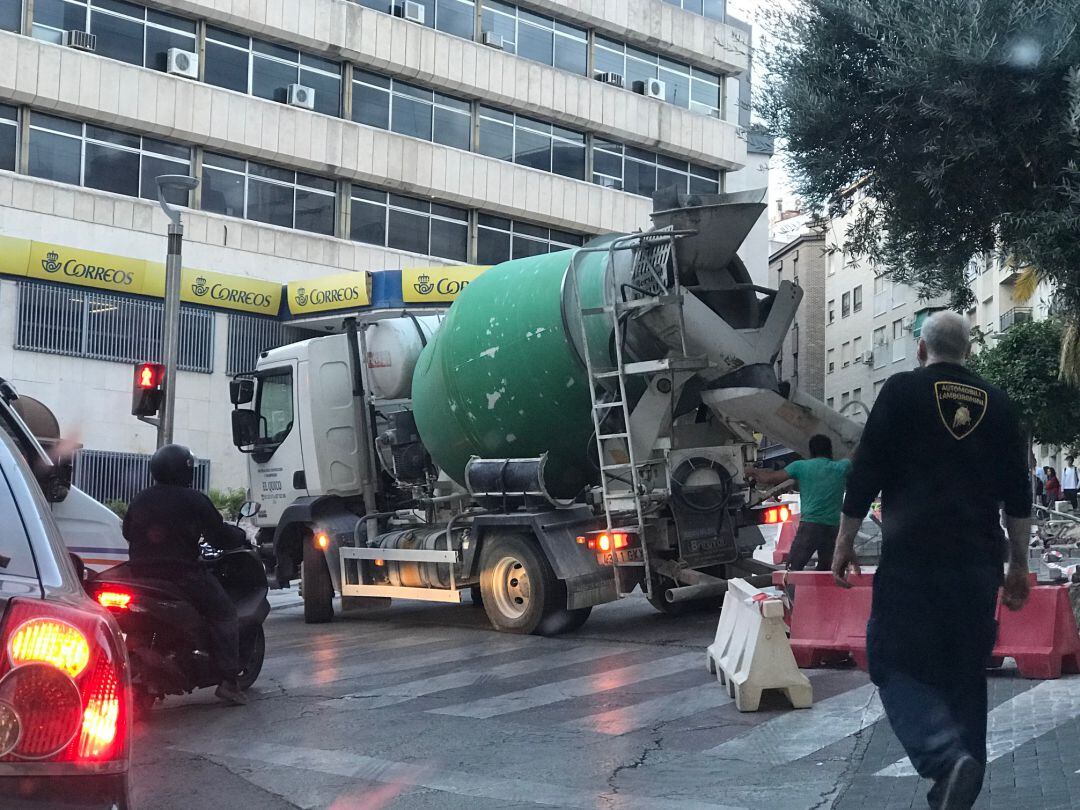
[[519, 590], [564, 621], [476, 596], [252, 655], [317, 586]]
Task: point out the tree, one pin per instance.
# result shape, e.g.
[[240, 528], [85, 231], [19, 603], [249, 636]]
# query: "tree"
[[958, 120], [1024, 363]]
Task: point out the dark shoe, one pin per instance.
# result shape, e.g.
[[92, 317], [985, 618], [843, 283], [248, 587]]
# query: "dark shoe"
[[960, 789], [231, 693]]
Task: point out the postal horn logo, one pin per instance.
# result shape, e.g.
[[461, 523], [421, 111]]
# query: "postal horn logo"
[[301, 296], [51, 262], [199, 287], [961, 407], [423, 284]]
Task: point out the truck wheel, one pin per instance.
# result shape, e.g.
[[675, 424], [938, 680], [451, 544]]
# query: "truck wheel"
[[564, 621], [518, 587], [318, 589]]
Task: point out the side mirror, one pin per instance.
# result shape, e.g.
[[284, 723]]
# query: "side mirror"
[[250, 509], [245, 428], [241, 390], [55, 481]]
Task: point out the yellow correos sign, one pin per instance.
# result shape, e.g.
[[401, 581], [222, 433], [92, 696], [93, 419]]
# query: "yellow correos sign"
[[219, 290], [87, 268], [340, 291], [434, 284], [14, 256]]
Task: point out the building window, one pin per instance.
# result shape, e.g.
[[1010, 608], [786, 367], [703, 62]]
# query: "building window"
[[856, 349], [532, 143], [845, 305], [250, 335], [684, 86], [410, 110], [899, 350], [124, 31], [499, 239], [830, 402], [879, 347], [845, 354], [832, 310], [877, 388], [713, 9], [266, 70], [406, 223], [60, 319], [856, 395], [95, 157], [844, 399], [641, 172], [255, 191], [108, 476], [856, 298], [451, 16], [11, 15], [536, 37], [9, 137], [830, 356]]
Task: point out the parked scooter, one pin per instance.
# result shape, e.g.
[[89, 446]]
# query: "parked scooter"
[[167, 638]]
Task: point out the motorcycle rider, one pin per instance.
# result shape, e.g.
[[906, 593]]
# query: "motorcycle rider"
[[163, 525]]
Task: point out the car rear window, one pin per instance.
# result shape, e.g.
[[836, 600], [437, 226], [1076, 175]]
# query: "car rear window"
[[16, 558]]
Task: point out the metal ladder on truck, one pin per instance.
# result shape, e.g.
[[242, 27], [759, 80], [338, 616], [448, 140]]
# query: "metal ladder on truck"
[[653, 254]]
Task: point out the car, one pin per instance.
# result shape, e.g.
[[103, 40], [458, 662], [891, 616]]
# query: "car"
[[65, 683]]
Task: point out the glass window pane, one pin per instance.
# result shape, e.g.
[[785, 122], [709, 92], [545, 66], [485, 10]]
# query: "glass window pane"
[[152, 167], [112, 136], [449, 240], [10, 15], [639, 178], [413, 204], [166, 148], [666, 178], [535, 43], [449, 212], [117, 37], [369, 194], [55, 157], [568, 159], [223, 162], [701, 185], [371, 106], [408, 231], [269, 202], [226, 67], [120, 7], [313, 181], [276, 51], [638, 71], [271, 172], [378, 5], [677, 87], [368, 223], [7, 147], [171, 21], [453, 128], [571, 54], [58, 14], [565, 238], [453, 103], [488, 221], [504, 26], [704, 92], [112, 169], [714, 9], [422, 93], [228, 37], [327, 91], [455, 17], [525, 229], [270, 79], [496, 140], [411, 117], [371, 78], [492, 247], [528, 247], [158, 42], [318, 63], [533, 149], [607, 163], [315, 212]]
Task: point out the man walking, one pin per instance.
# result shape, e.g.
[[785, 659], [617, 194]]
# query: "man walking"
[[1070, 481], [821, 494], [946, 452]]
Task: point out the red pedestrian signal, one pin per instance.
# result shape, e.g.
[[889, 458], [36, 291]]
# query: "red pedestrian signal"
[[147, 391]]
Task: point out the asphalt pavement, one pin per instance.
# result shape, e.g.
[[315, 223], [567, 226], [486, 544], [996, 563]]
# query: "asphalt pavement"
[[420, 706]]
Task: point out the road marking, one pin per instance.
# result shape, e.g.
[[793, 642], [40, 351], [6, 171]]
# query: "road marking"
[[402, 692], [336, 653], [800, 733], [649, 713], [1020, 719], [351, 765], [572, 688]]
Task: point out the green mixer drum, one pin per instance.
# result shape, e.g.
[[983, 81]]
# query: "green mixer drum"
[[501, 379]]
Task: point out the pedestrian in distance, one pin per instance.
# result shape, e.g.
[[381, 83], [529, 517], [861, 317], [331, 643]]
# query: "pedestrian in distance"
[[945, 450], [820, 481], [1070, 481], [1052, 487]]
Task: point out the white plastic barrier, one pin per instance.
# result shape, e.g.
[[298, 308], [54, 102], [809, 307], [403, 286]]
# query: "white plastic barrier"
[[752, 653]]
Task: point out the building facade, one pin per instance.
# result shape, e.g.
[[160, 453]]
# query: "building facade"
[[331, 139], [803, 261]]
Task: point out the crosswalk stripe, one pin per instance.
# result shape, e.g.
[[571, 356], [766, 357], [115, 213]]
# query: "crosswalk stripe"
[[350, 765], [798, 734], [1019, 720], [649, 713], [549, 693], [339, 653], [399, 693]]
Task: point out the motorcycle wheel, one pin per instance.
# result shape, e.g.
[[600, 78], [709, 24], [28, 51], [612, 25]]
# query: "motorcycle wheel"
[[252, 653], [143, 701]]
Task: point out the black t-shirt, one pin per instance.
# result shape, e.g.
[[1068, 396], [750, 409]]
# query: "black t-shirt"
[[945, 450], [164, 523]]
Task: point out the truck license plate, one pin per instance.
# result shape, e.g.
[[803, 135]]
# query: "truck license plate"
[[623, 555]]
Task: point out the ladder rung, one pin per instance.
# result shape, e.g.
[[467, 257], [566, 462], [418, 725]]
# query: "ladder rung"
[[617, 403], [607, 467], [635, 564], [648, 301], [597, 310], [604, 436]]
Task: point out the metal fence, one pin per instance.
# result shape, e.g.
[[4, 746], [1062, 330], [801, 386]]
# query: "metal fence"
[[250, 335], [104, 326], [109, 476]]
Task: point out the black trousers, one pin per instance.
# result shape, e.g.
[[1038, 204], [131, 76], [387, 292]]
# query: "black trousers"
[[811, 538], [1070, 496], [205, 592]]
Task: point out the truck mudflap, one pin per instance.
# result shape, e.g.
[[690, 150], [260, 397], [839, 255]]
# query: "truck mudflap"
[[556, 530]]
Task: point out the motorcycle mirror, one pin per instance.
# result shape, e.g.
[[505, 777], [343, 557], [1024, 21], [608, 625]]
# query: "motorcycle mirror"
[[250, 509]]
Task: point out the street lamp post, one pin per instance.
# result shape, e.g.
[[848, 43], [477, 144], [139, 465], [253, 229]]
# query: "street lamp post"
[[171, 325]]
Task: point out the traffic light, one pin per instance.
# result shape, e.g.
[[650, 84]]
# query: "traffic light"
[[146, 392]]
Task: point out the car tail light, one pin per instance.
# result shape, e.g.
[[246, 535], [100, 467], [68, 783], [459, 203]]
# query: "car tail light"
[[113, 600], [63, 684]]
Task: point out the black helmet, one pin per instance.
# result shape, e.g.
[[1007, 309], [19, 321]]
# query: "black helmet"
[[173, 464]]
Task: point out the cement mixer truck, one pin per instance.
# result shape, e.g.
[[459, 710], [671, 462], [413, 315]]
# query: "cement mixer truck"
[[571, 429]]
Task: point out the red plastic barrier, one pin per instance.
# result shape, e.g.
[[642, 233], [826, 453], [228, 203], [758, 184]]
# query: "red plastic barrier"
[[783, 542], [828, 623], [1042, 637]]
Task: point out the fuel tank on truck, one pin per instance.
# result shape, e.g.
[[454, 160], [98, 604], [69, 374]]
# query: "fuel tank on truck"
[[503, 377]]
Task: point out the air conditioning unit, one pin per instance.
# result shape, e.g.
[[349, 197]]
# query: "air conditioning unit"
[[183, 63], [614, 79], [653, 88], [909, 324], [865, 357], [410, 10], [493, 40], [302, 96], [80, 40]]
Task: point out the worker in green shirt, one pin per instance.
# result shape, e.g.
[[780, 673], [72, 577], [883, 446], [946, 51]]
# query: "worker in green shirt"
[[821, 482]]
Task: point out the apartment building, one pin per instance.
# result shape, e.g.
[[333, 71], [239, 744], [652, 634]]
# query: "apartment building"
[[803, 262], [333, 141]]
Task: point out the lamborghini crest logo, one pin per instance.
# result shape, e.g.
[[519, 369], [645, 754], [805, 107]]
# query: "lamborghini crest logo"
[[960, 406]]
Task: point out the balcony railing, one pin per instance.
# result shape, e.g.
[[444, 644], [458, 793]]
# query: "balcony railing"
[[1014, 316]]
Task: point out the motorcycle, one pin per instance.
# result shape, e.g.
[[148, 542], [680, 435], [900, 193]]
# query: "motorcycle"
[[167, 639]]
